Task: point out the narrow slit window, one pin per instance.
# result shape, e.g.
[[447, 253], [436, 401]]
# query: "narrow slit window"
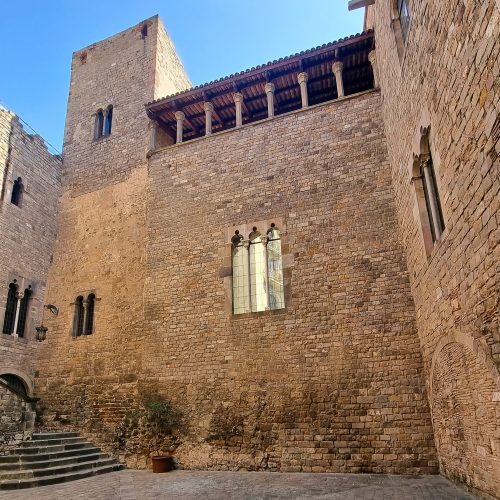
[[79, 317], [108, 121], [10, 310], [432, 201], [23, 313], [17, 192], [89, 322], [99, 124], [404, 18], [427, 193]]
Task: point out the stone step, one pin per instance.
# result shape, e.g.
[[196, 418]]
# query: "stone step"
[[51, 462], [56, 470], [50, 448], [12, 484], [8, 459], [50, 442], [53, 435]]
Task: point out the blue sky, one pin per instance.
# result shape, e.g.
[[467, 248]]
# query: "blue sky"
[[213, 38]]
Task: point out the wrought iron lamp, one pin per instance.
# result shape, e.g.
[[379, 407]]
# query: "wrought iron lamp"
[[41, 331]]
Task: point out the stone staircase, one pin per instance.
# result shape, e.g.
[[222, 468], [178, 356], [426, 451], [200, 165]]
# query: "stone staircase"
[[50, 458]]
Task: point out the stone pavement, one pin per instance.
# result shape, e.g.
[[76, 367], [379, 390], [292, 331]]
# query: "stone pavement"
[[194, 485]]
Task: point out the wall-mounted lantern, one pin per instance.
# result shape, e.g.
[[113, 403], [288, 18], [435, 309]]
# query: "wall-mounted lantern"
[[41, 331]]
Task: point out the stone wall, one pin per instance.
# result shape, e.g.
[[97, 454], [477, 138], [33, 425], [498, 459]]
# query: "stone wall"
[[89, 381], [27, 234], [447, 77], [16, 418], [333, 382]]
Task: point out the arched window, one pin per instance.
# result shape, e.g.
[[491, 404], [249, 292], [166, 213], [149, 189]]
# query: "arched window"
[[426, 189], [23, 312], [99, 124], [89, 320], [241, 288], [10, 309], [79, 317], [108, 120], [17, 192], [275, 269], [257, 272]]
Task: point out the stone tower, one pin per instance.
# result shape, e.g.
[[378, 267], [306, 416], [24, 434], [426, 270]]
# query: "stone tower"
[[100, 247]]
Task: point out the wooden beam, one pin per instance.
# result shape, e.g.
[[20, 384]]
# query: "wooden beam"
[[156, 106], [358, 4]]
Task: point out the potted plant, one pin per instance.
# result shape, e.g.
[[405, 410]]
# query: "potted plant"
[[161, 418]]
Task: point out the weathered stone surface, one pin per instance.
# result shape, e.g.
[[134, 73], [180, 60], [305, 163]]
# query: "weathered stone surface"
[[27, 234], [448, 78]]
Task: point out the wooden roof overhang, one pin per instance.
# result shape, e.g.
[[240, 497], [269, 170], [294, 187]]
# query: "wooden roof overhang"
[[357, 77]]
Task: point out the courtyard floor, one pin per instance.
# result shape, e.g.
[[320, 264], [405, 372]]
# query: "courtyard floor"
[[195, 485]]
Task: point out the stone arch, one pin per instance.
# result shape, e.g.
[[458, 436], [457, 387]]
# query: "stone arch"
[[465, 404], [26, 379], [480, 351]]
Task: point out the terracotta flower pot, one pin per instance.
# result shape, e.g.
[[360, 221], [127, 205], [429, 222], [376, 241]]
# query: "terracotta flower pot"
[[163, 463]]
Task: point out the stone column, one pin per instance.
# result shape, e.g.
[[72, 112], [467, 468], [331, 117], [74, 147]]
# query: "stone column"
[[85, 312], [432, 195], [269, 89], [372, 57], [238, 100], [302, 78], [153, 126], [19, 297], [209, 109], [337, 68], [179, 116]]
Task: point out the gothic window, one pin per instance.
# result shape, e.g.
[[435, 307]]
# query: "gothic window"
[[89, 320], [99, 124], [10, 309], [108, 121], [17, 192], [432, 202], [79, 317], [257, 272], [428, 199], [404, 18], [241, 288], [275, 269], [23, 312]]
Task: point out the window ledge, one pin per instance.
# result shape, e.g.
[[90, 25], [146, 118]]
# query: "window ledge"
[[258, 314], [103, 138], [437, 246], [13, 338]]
